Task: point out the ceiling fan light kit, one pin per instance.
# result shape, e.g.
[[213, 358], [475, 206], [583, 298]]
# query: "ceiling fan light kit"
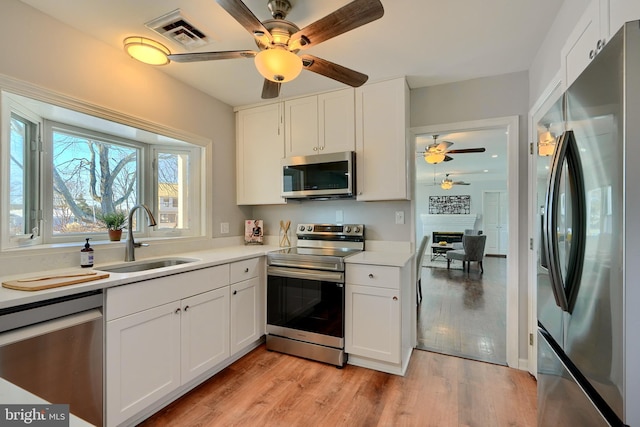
[[146, 50], [447, 184], [278, 64], [279, 41], [433, 158]]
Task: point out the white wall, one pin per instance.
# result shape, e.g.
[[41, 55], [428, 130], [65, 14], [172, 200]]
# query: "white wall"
[[41, 51], [485, 98]]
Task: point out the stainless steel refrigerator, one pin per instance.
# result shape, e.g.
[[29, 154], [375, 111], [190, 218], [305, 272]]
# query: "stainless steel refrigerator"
[[589, 258]]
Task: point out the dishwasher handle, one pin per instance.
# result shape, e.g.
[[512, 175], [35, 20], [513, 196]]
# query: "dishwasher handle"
[[44, 328]]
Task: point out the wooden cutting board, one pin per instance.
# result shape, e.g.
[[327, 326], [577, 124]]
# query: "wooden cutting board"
[[39, 283]]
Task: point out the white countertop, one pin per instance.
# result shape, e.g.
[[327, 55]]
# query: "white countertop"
[[12, 394], [391, 259], [206, 258]]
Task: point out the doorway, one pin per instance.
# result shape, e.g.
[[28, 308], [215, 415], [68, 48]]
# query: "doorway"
[[455, 296]]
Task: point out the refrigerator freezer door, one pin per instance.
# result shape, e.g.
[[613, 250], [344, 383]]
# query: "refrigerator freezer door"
[[561, 400]]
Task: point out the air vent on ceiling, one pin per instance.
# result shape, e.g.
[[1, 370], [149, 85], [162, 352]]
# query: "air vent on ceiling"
[[177, 28]]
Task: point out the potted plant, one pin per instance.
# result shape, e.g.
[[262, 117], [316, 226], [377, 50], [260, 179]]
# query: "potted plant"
[[115, 222]]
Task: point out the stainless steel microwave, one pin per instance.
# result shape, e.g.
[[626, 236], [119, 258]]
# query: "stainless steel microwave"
[[320, 176]]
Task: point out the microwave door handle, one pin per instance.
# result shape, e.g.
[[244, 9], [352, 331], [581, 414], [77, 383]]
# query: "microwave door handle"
[[551, 220]]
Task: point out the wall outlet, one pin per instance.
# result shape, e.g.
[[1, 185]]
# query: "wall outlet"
[[399, 217], [224, 228]]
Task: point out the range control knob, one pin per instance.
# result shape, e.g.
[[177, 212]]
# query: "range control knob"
[[356, 230], [309, 228], [347, 229], [301, 228]]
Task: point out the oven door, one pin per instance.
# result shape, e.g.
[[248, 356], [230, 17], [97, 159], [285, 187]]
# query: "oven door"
[[306, 305]]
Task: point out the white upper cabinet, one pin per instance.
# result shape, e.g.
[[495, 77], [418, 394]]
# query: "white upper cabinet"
[[320, 124], [622, 11], [382, 117], [586, 40], [260, 148]]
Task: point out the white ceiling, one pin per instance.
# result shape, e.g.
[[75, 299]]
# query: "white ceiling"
[[428, 41]]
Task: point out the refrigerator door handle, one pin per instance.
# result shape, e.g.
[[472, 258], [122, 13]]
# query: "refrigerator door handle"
[[565, 288]]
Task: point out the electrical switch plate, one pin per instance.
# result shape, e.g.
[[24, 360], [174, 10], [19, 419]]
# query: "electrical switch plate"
[[224, 228], [339, 216], [399, 217]]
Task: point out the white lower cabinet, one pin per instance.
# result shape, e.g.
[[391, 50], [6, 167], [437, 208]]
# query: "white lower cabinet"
[[245, 327], [377, 317], [204, 332], [142, 360], [164, 335]]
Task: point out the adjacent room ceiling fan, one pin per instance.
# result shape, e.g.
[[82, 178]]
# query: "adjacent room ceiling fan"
[[280, 40], [447, 183], [438, 152]]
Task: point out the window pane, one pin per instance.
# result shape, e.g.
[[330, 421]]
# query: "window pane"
[[17, 178], [172, 189], [90, 178]]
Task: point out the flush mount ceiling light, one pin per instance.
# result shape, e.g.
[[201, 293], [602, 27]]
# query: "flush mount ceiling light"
[[278, 64], [146, 50]]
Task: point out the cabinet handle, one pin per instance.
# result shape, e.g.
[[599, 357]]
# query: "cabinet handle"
[[321, 148], [246, 270], [395, 298], [315, 148], [592, 53], [370, 275], [600, 44], [186, 308], [177, 311], [235, 292]]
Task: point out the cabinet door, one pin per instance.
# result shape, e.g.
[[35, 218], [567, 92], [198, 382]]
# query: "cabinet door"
[[260, 148], [245, 313], [372, 323], [301, 126], [336, 121], [622, 11], [586, 40], [142, 360], [381, 141], [204, 332]]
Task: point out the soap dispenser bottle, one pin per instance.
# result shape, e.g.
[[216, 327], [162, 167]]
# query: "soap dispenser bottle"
[[86, 256]]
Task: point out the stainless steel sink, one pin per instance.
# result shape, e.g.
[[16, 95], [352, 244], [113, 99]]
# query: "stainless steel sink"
[[132, 267]]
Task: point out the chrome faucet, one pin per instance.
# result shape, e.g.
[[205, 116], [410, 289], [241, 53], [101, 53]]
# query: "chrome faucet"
[[129, 254]]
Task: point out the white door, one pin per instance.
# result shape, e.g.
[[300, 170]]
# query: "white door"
[[205, 332], [495, 209], [245, 327]]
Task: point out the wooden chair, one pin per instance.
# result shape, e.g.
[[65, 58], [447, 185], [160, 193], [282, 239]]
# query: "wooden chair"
[[473, 250], [419, 256]]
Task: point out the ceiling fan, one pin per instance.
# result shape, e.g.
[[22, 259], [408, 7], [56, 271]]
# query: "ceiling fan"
[[439, 152], [447, 183], [280, 40]]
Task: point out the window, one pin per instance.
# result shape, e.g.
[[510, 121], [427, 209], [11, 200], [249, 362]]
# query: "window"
[[63, 175]]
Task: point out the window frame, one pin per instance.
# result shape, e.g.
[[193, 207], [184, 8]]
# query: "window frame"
[[13, 100]]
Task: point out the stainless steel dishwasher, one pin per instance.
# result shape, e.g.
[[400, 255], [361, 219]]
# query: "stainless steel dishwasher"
[[53, 349]]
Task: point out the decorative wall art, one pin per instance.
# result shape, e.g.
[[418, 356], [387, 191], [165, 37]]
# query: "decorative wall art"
[[449, 205]]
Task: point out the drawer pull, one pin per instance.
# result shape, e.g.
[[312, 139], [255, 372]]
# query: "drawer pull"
[[246, 270], [177, 311], [370, 275]]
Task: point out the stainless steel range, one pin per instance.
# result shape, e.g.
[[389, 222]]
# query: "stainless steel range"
[[305, 292]]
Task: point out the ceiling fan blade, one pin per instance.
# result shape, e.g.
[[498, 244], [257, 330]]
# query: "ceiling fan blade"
[[461, 183], [467, 150], [241, 13], [447, 158], [347, 18], [333, 71], [270, 89], [210, 56]]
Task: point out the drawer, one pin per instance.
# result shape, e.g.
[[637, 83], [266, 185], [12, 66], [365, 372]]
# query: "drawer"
[[373, 275], [243, 270]]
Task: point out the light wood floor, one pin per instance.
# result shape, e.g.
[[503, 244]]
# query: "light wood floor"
[[464, 313], [272, 389]]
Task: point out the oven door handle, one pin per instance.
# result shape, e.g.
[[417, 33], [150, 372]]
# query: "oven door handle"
[[299, 273]]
